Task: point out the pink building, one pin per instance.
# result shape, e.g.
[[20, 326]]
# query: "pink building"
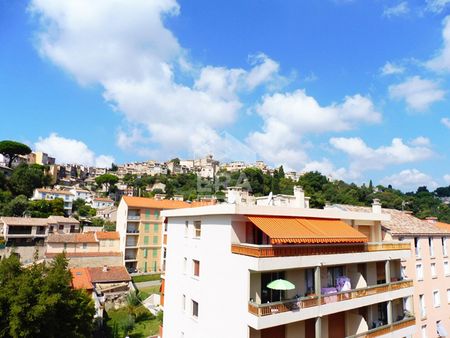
[[428, 266]]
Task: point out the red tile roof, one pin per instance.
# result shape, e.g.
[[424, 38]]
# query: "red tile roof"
[[113, 274], [87, 237], [84, 254], [81, 278], [144, 202], [101, 235]]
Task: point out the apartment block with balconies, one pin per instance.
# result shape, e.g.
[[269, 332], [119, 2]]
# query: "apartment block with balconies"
[[347, 281]]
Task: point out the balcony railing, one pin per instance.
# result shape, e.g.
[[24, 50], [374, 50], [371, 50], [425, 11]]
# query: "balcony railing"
[[385, 329], [133, 217], [264, 251], [19, 232], [266, 309], [133, 231]]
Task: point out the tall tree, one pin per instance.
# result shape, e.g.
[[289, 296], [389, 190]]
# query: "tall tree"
[[25, 178], [12, 149], [108, 180]]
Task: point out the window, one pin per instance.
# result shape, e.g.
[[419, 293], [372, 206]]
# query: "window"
[[145, 253], [448, 295], [419, 272], [183, 303], [333, 273], [423, 330], [61, 227], [433, 270], [423, 310], [436, 298], [196, 265], [185, 265], [147, 213], [84, 246], [156, 213], [145, 240], [147, 227], [446, 269], [155, 227], [155, 239], [430, 244], [444, 246], [194, 309], [198, 229], [186, 228], [155, 253], [417, 246]]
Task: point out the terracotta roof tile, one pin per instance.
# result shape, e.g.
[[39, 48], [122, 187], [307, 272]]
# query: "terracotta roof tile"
[[113, 274], [62, 219], [103, 199], [144, 202], [24, 221], [107, 235], [87, 237], [55, 192], [81, 278], [84, 254]]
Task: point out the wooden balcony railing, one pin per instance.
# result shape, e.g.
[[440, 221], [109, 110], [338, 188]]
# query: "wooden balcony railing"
[[266, 309], [385, 329], [264, 251]]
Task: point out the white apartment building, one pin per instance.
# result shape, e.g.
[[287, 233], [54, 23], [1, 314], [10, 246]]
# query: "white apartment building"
[[220, 259], [50, 194]]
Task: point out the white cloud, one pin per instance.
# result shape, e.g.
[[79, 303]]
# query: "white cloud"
[[446, 122], [67, 150], [289, 116], [144, 70], [410, 180], [421, 141], [447, 178], [419, 94], [391, 68], [436, 6], [325, 167], [362, 157], [441, 62], [398, 10]]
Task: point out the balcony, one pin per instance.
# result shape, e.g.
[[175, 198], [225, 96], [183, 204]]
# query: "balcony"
[[267, 251], [132, 231], [267, 309], [387, 329], [133, 217]]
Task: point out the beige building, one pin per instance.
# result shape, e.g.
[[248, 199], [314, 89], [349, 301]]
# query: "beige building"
[[428, 265], [86, 249]]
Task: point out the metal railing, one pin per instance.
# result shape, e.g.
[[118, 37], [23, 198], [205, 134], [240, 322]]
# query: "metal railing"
[[133, 217], [263, 251], [382, 330], [266, 309]]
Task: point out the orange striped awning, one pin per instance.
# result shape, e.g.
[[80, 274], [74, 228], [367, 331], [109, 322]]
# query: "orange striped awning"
[[294, 230]]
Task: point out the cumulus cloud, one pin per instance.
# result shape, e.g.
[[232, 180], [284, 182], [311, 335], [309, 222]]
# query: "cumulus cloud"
[[409, 180], [325, 167], [398, 10], [436, 6], [391, 68], [446, 122], [287, 117], [139, 63], [447, 178], [441, 61], [362, 157], [67, 150], [419, 94]]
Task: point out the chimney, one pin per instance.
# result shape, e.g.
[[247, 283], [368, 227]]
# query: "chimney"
[[105, 268], [431, 219], [327, 205], [376, 206], [299, 195], [234, 195]]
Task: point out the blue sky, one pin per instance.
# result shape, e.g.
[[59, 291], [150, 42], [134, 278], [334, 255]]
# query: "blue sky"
[[356, 89]]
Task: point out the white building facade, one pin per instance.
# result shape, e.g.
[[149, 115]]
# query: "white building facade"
[[221, 258]]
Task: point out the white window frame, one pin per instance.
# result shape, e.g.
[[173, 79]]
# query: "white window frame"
[[431, 246], [433, 270], [423, 307], [419, 272], [446, 268], [183, 303], [448, 296], [186, 229], [417, 246], [197, 229], [423, 331], [438, 302], [192, 308], [185, 265], [444, 246]]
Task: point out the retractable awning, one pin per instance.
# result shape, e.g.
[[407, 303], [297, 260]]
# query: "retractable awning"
[[295, 230]]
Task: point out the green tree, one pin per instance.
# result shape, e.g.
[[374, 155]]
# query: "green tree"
[[25, 179], [16, 207], [108, 180], [45, 208], [12, 149]]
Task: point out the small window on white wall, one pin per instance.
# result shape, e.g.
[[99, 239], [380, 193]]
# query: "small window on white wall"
[[183, 303], [423, 310], [185, 265], [424, 331], [419, 272], [433, 270], [417, 246], [446, 268], [444, 246], [430, 244], [448, 295], [186, 229], [194, 309], [436, 298]]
